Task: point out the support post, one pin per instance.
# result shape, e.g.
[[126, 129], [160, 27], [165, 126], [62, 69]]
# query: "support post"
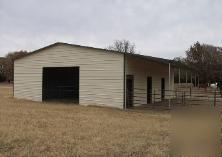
[[179, 76], [169, 84], [198, 81], [124, 81]]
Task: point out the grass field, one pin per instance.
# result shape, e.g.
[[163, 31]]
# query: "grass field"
[[55, 129]]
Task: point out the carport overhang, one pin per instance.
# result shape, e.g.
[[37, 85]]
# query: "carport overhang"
[[170, 64]]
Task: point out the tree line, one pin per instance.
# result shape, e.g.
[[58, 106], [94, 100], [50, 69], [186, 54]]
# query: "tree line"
[[8, 65], [204, 59]]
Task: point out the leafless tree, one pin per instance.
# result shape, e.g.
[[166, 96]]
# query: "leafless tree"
[[123, 46], [9, 63], [2, 78]]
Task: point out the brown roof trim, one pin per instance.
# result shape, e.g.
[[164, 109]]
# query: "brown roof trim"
[[149, 58]]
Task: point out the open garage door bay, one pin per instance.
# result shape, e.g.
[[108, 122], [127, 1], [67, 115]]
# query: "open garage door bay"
[[60, 83]]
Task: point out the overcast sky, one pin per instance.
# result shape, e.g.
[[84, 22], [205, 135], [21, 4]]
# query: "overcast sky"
[[162, 28]]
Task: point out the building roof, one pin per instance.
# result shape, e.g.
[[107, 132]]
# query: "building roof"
[[148, 58]]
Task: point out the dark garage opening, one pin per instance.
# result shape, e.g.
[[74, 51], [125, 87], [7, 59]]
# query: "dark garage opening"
[[61, 83]]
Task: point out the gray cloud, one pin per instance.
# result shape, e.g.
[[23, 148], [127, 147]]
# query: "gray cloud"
[[158, 28]]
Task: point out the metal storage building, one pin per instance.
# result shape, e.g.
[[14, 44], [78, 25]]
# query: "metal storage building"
[[90, 76]]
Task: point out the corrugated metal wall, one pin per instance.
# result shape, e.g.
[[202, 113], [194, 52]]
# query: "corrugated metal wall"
[[101, 74]]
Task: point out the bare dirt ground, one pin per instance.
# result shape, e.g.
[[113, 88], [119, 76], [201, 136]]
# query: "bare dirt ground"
[[56, 129]]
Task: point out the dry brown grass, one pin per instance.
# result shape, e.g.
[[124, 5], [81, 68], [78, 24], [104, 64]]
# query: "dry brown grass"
[[46, 129]]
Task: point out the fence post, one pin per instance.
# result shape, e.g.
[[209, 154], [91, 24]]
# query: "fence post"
[[215, 98], [154, 94], [176, 93], [176, 99], [169, 94], [184, 97], [190, 91]]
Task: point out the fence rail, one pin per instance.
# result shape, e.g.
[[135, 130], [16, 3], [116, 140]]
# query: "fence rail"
[[178, 97]]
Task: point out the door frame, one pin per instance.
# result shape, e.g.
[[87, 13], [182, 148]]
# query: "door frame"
[[149, 89], [163, 88], [130, 77]]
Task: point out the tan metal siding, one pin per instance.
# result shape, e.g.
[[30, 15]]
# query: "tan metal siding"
[[141, 69], [101, 74]]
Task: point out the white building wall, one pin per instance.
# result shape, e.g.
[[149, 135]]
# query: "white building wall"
[[101, 74]]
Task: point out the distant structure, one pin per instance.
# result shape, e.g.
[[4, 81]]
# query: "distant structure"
[[219, 49]]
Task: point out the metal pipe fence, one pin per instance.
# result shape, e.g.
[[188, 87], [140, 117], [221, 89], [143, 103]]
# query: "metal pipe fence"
[[178, 97]]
